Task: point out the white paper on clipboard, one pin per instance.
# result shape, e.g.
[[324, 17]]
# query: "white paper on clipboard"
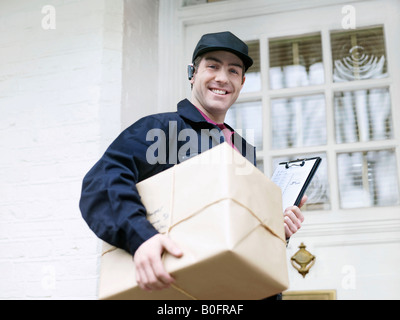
[[293, 178]]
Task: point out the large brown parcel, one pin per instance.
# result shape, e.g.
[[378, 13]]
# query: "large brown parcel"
[[227, 218]]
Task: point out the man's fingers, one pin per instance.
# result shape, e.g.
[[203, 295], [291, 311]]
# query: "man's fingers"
[[150, 271], [288, 233], [294, 213], [293, 219], [141, 278], [154, 282], [171, 247], [152, 276], [164, 279], [291, 225]]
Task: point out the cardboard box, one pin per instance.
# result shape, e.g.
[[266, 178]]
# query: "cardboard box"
[[227, 218]]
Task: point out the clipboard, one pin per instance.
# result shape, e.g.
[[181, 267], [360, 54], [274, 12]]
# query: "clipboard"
[[294, 177]]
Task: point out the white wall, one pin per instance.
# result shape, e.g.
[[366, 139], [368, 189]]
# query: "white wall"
[[140, 60], [60, 100]]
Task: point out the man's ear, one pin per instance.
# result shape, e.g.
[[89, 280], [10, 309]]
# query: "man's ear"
[[243, 80]]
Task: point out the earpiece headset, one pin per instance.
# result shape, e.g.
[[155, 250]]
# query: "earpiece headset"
[[190, 71]]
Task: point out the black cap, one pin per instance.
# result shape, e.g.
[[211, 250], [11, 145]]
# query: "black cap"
[[225, 41]]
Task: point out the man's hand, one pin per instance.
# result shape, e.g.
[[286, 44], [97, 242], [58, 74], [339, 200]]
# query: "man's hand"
[[150, 272], [293, 218]]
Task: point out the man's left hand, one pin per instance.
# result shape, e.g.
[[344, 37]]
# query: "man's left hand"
[[293, 218]]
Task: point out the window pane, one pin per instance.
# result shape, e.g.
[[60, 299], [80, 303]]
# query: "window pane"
[[253, 75], [368, 179], [247, 117], [295, 62], [298, 122], [359, 55], [318, 191], [363, 115]]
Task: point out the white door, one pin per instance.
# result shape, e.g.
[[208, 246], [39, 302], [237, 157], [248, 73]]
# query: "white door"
[[325, 82]]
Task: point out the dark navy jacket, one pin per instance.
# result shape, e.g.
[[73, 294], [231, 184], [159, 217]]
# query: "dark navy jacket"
[[110, 202]]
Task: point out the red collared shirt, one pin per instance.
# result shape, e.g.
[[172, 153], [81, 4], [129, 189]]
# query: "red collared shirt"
[[227, 133]]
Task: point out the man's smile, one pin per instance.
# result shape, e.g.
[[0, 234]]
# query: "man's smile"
[[219, 91]]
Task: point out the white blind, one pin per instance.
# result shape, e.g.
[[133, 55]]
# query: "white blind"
[[298, 121], [368, 179], [363, 115], [296, 62]]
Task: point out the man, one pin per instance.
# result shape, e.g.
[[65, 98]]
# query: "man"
[[110, 202]]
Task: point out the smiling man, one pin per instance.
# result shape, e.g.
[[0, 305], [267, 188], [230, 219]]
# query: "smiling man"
[[217, 83], [110, 202]]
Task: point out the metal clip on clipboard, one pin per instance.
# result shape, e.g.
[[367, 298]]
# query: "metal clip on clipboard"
[[292, 163]]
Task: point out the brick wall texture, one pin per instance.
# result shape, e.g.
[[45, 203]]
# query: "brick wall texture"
[[60, 92]]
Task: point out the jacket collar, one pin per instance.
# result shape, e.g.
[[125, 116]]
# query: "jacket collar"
[[188, 111]]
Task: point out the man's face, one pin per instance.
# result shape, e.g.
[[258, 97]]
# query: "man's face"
[[217, 83]]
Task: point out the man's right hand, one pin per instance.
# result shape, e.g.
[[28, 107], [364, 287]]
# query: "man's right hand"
[[150, 271]]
